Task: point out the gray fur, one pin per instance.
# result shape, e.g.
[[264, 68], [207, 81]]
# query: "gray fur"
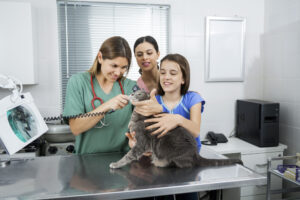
[[177, 148]]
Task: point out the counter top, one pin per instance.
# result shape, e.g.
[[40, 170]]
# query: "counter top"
[[236, 145], [89, 176]]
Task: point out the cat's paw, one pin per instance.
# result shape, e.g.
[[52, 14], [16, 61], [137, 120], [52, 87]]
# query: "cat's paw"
[[114, 165], [160, 163]]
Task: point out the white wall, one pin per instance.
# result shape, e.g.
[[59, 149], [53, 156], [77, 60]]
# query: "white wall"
[[187, 37], [282, 66]]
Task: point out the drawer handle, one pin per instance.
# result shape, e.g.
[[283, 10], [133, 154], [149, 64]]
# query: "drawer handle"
[[261, 186], [262, 165]]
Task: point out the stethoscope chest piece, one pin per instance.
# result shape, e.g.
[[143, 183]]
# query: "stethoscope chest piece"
[[102, 122]]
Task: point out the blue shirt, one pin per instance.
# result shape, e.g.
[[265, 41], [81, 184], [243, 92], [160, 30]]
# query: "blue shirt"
[[184, 106]]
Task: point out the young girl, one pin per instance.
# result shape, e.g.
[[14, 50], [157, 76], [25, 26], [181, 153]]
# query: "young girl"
[[180, 106]]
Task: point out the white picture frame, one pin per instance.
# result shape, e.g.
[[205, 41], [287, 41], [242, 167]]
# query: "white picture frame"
[[224, 49]]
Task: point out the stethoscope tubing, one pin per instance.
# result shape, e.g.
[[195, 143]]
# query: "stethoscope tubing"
[[95, 97]]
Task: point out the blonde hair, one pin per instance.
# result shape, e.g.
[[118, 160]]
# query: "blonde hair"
[[112, 48]]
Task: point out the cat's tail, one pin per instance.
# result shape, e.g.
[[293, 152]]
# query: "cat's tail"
[[205, 162]]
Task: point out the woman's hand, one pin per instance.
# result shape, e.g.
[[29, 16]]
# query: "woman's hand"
[[131, 139], [163, 123], [132, 142], [117, 102], [148, 107]]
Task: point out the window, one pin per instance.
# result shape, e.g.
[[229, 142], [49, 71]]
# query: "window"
[[83, 26]]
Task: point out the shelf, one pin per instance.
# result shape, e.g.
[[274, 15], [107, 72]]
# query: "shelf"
[[277, 173]]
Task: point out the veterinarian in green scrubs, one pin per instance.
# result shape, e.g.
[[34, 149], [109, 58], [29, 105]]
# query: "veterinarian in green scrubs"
[[102, 89]]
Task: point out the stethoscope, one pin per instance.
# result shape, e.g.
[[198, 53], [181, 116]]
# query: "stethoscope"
[[95, 97], [98, 98]]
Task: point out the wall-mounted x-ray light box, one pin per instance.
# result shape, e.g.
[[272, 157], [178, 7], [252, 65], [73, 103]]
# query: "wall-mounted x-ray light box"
[[224, 49]]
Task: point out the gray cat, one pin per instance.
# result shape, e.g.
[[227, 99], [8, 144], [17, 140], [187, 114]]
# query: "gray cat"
[[177, 148]]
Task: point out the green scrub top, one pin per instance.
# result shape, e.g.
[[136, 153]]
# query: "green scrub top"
[[109, 138]]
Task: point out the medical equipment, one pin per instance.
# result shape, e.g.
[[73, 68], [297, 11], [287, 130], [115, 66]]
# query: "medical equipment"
[[61, 117], [20, 121], [102, 122], [98, 98], [59, 140]]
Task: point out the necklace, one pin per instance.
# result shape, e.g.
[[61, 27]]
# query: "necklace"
[[171, 104]]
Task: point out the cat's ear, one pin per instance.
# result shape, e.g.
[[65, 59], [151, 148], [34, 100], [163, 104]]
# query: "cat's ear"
[[135, 88]]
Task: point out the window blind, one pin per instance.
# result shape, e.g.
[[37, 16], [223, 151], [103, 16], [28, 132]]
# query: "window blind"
[[83, 27]]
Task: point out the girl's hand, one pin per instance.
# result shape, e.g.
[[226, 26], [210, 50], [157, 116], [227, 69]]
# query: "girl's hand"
[[148, 107], [163, 123], [117, 102]]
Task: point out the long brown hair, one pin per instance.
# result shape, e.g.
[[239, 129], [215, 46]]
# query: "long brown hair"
[[112, 48], [185, 69]]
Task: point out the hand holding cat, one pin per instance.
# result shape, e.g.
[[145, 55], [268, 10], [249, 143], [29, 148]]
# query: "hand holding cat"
[[148, 107], [163, 123], [131, 139], [132, 142]]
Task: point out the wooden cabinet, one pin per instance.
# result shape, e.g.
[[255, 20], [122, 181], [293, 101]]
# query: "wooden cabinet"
[[254, 158]]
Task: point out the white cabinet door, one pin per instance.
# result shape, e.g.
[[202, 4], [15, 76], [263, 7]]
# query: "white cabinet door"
[[17, 41], [254, 197], [258, 163]]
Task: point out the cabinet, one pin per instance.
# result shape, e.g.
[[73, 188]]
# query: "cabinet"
[[254, 158], [258, 163], [18, 41]]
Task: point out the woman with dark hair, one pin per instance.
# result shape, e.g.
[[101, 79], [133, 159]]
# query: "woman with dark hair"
[[102, 89], [147, 53]]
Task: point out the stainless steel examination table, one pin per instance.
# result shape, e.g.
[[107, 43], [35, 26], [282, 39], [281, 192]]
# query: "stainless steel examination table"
[[89, 176]]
